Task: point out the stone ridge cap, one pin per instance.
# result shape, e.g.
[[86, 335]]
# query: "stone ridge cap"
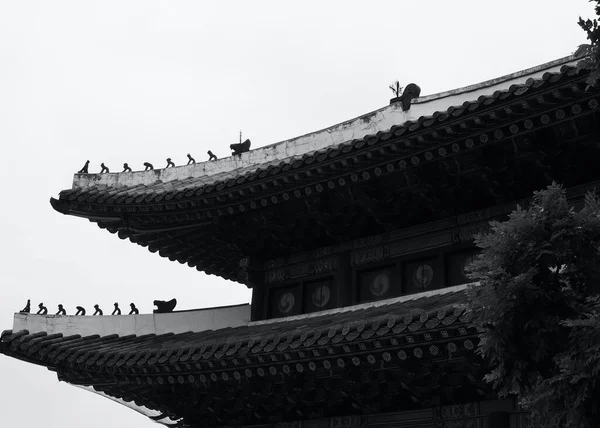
[[567, 60], [445, 94], [287, 150], [401, 299]]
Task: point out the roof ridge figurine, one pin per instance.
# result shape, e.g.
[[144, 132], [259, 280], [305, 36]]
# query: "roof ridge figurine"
[[27, 307], [126, 168], [148, 166], [104, 169], [239, 148], [212, 156], [80, 311], [163, 307], [98, 310], [405, 97], [191, 160], [42, 309], [170, 163], [117, 310], [61, 310], [84, 170], [134, 310]]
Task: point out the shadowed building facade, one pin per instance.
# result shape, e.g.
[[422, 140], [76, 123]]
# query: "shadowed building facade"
[[354, 240]]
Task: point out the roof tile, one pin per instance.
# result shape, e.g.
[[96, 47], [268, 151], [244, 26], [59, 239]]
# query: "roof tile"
[[260, 339], [309, 158]]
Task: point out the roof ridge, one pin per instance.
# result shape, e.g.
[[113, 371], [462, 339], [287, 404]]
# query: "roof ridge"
[[310, 144]]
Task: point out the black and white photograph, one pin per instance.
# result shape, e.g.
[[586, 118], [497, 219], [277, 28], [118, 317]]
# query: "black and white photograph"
[[317, 214]]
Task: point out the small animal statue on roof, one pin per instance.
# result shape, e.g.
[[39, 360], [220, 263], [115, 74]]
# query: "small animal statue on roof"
[[134, 310], [27, 307], [126, 168], [170, 163], [84, 170], [104, 168], [80, 311], [240, 148], [191, 160], [148, 166], [98, 310], [43, 310], [163, 307], [212, 156], [61, 310], [117, 310], [411, 92]]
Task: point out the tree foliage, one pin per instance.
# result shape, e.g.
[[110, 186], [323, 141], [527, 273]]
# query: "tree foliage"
[[591, 52], [538, 311]]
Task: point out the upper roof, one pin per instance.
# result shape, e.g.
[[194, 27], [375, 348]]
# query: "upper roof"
[[227, 217], [154, 184]]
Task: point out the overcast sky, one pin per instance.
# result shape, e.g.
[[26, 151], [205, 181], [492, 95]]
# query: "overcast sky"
[[135, 81]]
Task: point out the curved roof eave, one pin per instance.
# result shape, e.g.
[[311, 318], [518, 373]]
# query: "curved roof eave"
[[288, 151], [146, 188]]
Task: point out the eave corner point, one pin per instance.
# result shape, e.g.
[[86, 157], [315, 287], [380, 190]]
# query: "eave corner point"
[[58, 206]]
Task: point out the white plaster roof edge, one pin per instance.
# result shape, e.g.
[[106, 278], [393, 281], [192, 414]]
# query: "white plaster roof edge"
[[498, 80], [445, 94], [356, 128], [49, 315]]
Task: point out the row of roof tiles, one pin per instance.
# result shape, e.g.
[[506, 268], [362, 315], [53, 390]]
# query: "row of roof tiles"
[[197, 186], [414, 318]]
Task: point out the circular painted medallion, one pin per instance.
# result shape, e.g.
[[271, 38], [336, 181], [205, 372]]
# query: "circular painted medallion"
[[286, 302], [321, 296], [380, 285], [422, 276]]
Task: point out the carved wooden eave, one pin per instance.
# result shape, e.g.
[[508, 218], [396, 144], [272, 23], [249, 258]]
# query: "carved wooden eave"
[[491, 151], [394, 356], [455, 230]]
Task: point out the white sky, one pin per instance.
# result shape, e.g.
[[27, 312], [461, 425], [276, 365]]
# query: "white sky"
[[136, 81]]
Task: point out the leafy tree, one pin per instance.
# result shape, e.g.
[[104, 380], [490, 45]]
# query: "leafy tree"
[[538, 310], [591, 52]]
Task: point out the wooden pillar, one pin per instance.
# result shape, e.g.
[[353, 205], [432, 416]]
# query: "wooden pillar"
[[258, 307], [345, 287]]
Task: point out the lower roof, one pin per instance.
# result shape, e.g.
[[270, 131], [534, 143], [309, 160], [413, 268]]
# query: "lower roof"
[[442, 309], [432, 328]]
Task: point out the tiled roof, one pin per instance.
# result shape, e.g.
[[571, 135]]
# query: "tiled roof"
[[177, 191], [388, 357], [202, 221], [411, 325]]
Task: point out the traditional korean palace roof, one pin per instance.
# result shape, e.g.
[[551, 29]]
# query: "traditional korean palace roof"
[[355, 360], [446, 155], [387, 202]]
